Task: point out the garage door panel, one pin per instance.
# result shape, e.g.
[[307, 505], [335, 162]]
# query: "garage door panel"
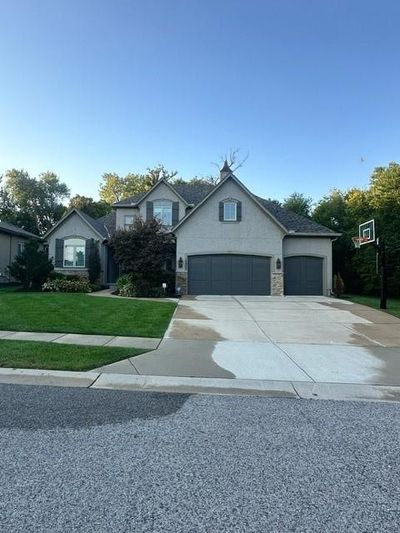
[[229, 274], [241, 269], [259, 269], [303, 275]]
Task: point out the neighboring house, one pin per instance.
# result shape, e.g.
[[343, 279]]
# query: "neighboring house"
[[228, 241], [12, 242]]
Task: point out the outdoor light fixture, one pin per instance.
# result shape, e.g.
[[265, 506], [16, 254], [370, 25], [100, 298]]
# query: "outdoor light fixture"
[[278, 264], [180, 262]]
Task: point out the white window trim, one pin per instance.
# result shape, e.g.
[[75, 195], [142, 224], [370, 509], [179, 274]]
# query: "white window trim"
[[234, 202], [74, 246], [20, 247]]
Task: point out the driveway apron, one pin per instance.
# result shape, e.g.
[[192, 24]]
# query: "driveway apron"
[[302, 339]]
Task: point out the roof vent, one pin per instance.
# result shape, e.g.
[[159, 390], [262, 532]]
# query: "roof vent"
[[225, 171]]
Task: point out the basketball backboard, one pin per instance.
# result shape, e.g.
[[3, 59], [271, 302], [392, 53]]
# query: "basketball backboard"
[[366, 232]]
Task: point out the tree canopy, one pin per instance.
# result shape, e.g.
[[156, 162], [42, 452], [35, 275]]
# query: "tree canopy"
[[89, 206], [298, 203], [34, 204], [114, 187], [343, 211]]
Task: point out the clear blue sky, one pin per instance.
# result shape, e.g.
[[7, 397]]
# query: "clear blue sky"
[[307, 87]]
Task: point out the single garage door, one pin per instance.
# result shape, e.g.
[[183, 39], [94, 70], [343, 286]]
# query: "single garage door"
[[303, 275], [229, 274]]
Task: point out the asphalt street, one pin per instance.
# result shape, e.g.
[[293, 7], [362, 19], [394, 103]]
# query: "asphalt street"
[[112, 461]]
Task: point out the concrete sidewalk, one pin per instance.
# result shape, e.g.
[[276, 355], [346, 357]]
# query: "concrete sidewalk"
[[83, 340]]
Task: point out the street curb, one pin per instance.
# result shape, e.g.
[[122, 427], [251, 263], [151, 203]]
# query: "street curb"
[[55, 378], [187, 385]]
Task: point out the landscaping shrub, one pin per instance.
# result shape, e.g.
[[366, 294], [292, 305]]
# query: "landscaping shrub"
[[32, 266], [67, 285], [157, 292], [126, 285], [146, 252], [60, 275]]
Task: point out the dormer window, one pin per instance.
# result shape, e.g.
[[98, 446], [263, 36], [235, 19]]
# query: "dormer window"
[[162, 211], [230, 210]]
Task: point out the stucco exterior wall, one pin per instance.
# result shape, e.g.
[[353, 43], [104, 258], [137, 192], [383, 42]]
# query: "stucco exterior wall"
[[204, 233], [8, 251], [162, 192], [314, 246], [120, 215], [74, 226]]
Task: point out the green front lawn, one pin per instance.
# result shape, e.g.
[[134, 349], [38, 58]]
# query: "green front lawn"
[[393, 304], [51, 356], [81, 313]]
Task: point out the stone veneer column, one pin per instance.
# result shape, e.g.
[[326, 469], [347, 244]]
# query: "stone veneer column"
[[277, 284], [181, 281]]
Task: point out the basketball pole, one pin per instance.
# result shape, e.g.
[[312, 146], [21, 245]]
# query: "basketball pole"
[[380, 247]]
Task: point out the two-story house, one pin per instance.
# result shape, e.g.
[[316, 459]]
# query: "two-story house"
[[228, 241]]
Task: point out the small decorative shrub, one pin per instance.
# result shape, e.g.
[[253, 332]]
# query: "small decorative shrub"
[[32, 266], [67, 285], [126, 285], [61, 275], [157, 292]]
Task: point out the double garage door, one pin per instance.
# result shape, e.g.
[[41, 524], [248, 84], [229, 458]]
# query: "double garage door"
[[229, 274], [251, 274]]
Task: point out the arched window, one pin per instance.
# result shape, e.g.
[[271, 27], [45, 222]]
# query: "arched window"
[[74, 252], [162, 211]]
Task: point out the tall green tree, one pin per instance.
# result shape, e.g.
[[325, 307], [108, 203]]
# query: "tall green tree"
[[89, 206], [114, 187], [298, 203], [35, 204], [344, 211]]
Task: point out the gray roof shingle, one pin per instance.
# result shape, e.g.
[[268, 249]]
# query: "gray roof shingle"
[[132, 200], [195, 193], [7, 227], [108, 222], [104, 225], [191, 193], [293, 221]]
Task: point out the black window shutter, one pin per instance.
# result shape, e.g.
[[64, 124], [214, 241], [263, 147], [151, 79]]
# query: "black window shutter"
[[221, 210], [175, 213], [88, 248], [59, 259], [149, 211], [239, 211]]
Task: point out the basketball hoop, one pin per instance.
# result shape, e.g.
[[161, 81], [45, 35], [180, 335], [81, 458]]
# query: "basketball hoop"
[[358, 241]]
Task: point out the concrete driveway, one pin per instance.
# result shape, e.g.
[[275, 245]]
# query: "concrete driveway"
[[299, 339]]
